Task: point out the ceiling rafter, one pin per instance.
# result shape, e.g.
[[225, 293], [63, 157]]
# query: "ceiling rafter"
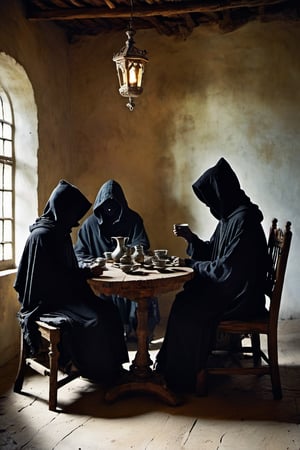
[[161, 9], [168, 17]]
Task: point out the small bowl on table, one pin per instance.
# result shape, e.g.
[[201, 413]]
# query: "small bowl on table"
[[126, 267]]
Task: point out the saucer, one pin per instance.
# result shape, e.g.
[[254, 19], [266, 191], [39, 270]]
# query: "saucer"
[[161, 269], [129, 268]]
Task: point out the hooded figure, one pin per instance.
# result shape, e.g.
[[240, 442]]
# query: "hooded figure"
[[53, 289], [113, 217], [229, 282]]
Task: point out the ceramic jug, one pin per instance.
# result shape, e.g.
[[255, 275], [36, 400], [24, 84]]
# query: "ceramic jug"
[[138, 255], [120, 248]]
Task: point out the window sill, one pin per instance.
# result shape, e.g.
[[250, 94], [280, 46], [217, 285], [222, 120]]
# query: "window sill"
[[4, 273]]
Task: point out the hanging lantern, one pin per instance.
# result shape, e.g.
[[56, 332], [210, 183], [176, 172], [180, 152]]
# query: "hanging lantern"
[[130, 65]]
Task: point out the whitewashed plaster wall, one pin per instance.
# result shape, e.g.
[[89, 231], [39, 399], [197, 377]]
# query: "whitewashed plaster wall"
[[235, 95]]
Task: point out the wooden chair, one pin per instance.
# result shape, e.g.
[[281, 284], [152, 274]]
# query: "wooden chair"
[[278, 247], [45, 364]]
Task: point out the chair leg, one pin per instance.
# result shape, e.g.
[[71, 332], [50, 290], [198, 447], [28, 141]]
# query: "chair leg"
[[255, 343], [22, 366], [274, 368], [53, 361], [201, 383]]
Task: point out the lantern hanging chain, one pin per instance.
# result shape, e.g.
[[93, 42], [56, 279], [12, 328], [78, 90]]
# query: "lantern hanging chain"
[[131, 15]]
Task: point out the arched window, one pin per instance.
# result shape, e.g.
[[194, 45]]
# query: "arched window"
[[18, 159], [7, 175]]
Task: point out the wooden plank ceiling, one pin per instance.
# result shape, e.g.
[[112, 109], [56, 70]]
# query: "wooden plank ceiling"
[[168, 17]]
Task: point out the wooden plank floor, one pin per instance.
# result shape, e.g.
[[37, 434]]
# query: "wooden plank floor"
[[236, 415]]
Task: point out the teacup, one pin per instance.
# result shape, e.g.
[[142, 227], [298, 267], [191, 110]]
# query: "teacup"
[[108, 256], [161, 253], [100, 261], [178, 226], [148, 261], [161, 263]]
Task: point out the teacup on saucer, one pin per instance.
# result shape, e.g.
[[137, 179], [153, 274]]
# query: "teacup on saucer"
[[127, 268], [160, 263]]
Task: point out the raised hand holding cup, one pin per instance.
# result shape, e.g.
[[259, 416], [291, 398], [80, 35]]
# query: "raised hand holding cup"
[[183, 230]]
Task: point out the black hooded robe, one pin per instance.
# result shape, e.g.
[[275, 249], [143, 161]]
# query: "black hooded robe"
[[230, 272], [52, 288], [95, 238]]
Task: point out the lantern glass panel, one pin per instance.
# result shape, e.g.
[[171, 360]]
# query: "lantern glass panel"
[[132, 72], [140, 75]]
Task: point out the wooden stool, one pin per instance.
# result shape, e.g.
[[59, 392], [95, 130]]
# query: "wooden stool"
[[44, 364]]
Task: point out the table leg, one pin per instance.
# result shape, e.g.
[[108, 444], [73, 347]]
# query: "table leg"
[[141, 377], [141, 364]]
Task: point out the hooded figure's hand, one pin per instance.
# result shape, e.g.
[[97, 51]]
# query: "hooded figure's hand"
[[96, 269], [183, 230], [179, 262]]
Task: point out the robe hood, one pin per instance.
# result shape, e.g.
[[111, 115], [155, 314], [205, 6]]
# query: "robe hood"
[[65, 207], [219, 189], [110, 190]]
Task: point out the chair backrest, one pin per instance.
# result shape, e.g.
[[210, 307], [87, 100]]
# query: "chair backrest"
[[278, 247]]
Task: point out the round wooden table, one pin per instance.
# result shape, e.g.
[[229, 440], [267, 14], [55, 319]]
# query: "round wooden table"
[[139, 286]]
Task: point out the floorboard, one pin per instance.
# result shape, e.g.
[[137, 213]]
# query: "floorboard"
[[238, 414]]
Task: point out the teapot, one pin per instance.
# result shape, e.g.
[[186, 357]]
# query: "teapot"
[[120, 248]]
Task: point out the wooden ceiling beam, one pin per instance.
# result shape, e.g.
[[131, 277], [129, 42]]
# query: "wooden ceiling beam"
[[169, 9]]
